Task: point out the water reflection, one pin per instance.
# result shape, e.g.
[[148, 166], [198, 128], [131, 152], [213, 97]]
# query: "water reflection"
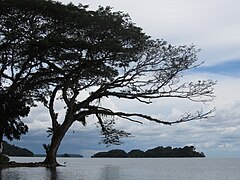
[[24, 173], [9, 173], [130, 169], [109, 173], [1, 173], [51, 173]]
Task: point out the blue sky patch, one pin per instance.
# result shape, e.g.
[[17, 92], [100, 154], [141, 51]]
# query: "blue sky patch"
[[230, 68]]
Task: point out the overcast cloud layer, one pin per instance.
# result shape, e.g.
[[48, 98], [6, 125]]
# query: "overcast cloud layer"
[[212, 25]]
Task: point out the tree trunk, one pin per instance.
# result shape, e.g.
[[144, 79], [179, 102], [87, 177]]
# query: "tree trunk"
[[1, 139], [1, 145], [58, 135]]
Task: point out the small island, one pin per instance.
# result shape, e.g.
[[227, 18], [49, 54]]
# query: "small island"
[[158, 152], [12, 150]]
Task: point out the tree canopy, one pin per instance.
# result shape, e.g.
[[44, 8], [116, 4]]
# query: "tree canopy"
[[55, 53], [23, 72]]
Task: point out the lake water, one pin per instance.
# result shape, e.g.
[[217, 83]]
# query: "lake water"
[[128, 169]]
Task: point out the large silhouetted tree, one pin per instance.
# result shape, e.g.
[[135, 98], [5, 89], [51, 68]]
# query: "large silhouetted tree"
[[24, 73], [106, 55], [88, 56]]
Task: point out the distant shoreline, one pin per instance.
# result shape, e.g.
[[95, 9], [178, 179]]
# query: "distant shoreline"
[[65, 155]]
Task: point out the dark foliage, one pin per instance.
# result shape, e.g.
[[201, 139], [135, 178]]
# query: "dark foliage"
[[12, 150], [4, 159], [158, 152], [11, 110], [187, 151], [22, 70], [117, 153], [136, 153], [70, 155]]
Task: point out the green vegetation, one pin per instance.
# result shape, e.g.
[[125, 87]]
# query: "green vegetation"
[[158, 152]]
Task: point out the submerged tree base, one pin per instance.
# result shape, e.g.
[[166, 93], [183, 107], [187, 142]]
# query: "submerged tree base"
[[28, 164]]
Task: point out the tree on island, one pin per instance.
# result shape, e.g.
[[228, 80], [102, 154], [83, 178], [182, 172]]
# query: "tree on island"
[[103, 53]]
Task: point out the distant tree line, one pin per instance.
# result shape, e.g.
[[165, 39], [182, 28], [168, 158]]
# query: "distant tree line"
[[69, 155], [61, 155], [158, 152]]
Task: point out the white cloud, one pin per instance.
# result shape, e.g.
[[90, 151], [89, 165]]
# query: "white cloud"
[[212, 25]]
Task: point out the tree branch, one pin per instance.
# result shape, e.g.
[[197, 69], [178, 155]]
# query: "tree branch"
[[53, 115], [129, 116]]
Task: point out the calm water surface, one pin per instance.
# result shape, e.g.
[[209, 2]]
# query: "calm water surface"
[[124, 169]]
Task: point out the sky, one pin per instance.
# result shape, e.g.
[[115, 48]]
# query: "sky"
[[213, 26]]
